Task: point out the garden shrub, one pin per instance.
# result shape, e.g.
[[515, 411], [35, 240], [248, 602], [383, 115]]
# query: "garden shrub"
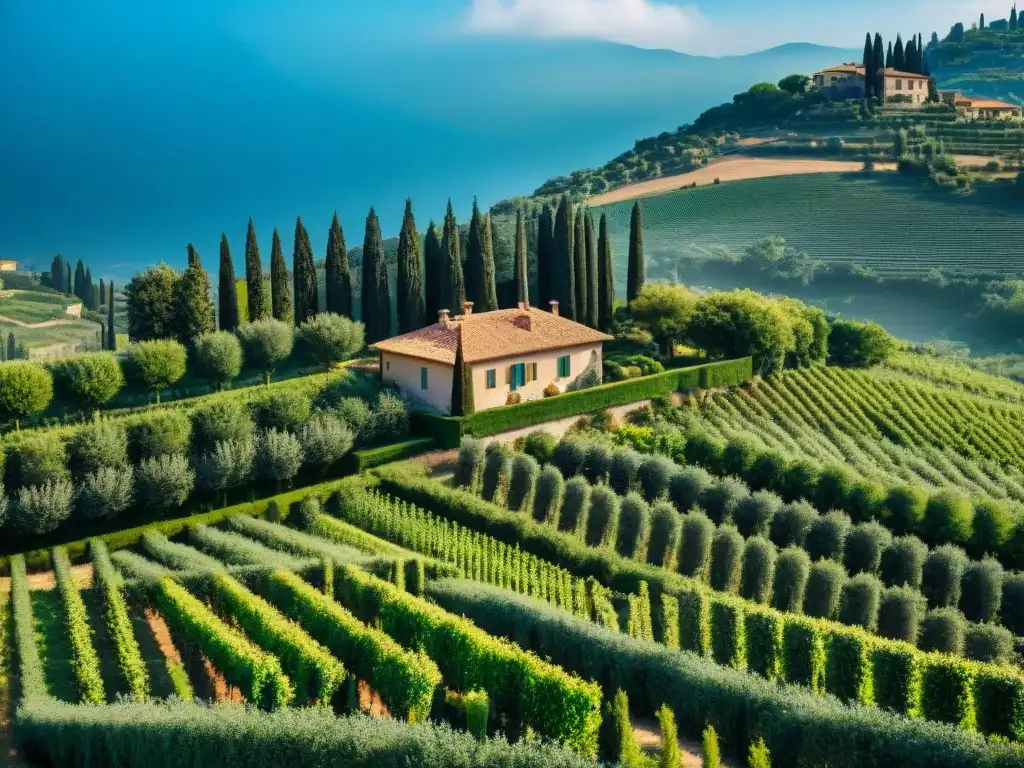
[[568, 456], [159, 433], [721, 499], [107, 492], [228, 465], [687, 486], [278, 456], [904, 508], [758, 571], [848, 672], [900, 613], [388, 422], [728, 639], [654, 474], [981, 590], [792, 569], [222, 420], [866, 501], [327, 338], [859, 601], [824, 584], [494, 482], [577, 507], [753, 515], [943, 630], [325, 439], [738, 456], [598, 516], [999, 703], [355, 413], [597, 459], [42, 508], [634, 527], [156, 364], [992, 526], [522, 483], [95, 446], [541, 445], [827, 535], [903, 562], [790, 525], [803, 652], [862, 552], [768, 473], [896, 677], [946, 690], [666, 524], [832, 490], [24, 388], [799, 481], [942, 574], [947, 518], [547, 503], [36, 459], [988, 643], [469, 465], [695, 550], [1012, 609], [217, 357], [726, 559], [266, 343], [763, 629], [283, 409], [164, 482], [695, 622], [702, 450], [623, 470]]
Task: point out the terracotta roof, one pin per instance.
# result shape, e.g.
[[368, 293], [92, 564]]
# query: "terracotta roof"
[[901, 73], [492, 335], [990, 104], [847, 68]]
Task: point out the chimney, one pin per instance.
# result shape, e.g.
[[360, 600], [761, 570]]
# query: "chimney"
[[554, 307], [442, 317], [522, 306], [468, 308]]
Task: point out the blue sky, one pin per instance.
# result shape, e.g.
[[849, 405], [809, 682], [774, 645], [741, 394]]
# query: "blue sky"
[[704, 27]]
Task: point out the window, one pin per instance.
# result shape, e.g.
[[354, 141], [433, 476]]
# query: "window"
[[387, 366], [517, 376], [563, 367], [899, 85], [492, 379], [423, 378], [533, 371]]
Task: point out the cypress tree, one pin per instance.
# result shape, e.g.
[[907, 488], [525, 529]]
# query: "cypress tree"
[[563, 289], [522, 276], [57, 273], [888, 56], [898, 59], [1013, 18], [910, 56], [227, 291], [68, 285], [280, 293], [453, 285], [490, 302], [376, 298], [111, 330], [12, 346], [593, 277], [869, 66], [337, 276], [545, 254], [879, 50], [253, 276], [193, 308], [635, 275], [79, 288], [433, 273], [307, 302], [462, 382], [90, 296], [605, 277], [95, 299], [579, 262], [103, 294], [474, 265], [410, 281], [981, 22]]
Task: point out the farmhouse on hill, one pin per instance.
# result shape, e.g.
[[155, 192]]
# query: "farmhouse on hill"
[[509, 354], [8, 265], [980, 108], [847, 80]]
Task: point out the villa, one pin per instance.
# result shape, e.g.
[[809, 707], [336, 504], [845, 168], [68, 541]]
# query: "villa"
[[848, 80], [512, 355], [980, 108]]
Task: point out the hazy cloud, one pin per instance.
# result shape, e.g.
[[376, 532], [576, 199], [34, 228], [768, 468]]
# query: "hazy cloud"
[[643, 23]]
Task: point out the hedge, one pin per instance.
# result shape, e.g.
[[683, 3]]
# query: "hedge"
[[361, 461], [798, 727], [447, 431], [84, 660], [109, 585], [31, 674], [297, 543], [173, 734]]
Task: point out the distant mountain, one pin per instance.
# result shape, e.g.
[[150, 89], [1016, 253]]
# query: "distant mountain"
[[136, 135]]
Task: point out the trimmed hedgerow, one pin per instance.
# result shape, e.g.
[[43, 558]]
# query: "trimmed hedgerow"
[[947, 518], [832, 491], [695, 550], [900, 614], [522, 483], [738, 456], [622, 472], [862, 552], [653, 475], [905, 506], [824, 584], [768, 472], [859, 601], [981, 590], [803, 652], [753, 516], [596, 460], [726, 559], [666, 524], [603, 519], [947, 685], [999, 703], [763, 630], [896, 677], [469, 465], [576, 507], [992, 526], [942, 575], [634, 527], [178, 557], [722, 498], [758, 570], [569, 456], [541, 445], [547, 502], [943, 630], [84, 660], [790, 584], [687, 486], [1012, 609], [827, 535], [495, 478], [848, 668], [903, 562], [728, 639], [798, 480], [988, 643], [790, 525], [695, 622], [236, 549]]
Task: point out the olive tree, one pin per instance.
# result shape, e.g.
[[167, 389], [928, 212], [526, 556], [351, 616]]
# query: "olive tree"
[[157, 364], [90, 381], [42, 508], [24, 388], [217, 358], [266, 343], [107, 492], [326, 339]]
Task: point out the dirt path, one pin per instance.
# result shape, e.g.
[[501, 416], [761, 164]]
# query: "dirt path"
[[370, 701], [733, 168], [648, 735], [82, 574]]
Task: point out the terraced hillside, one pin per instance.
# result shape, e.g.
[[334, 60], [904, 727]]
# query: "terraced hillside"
[[915, 228]]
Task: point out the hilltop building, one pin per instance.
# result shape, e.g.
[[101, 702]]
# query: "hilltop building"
[[518, 352], [8, 265], [847, 81], [980, 108]]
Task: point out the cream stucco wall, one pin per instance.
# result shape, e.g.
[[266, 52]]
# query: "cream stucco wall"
[[547, 373], [405, 373], [914, 87]]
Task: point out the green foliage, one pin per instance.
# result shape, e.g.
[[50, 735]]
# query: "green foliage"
[[217, 358], [469, 464], [548, 502], [85, 662], [98, 446], [107, 492], [754, 514], [24, 388], [946, 690], [90, 380], [947, 518], [695, 622], [726, 559], [989, 643], [942, 574], [803, 652], [710, 755], [282, 410], [327, 339], [617, 744], [257, 673], [900, 613], [222, 421], [36, 459], [763, 630], [541, 445], [981, 590], [833, 489], [859, 345], [622, 472], [999, 703], [859, 601], [848, 667], [110, 585], [150, 303], [759, 755], [666, 526], [695, 551], [158, 434], [905, 506], [266, 343], [42, 508], [903, 562], [992, 527], [164, 482], [791, 572], [278, 455], [670, 756], [728, 638], [477, 706], [664, 310], [634, 527], [495, 480], [522, 483], [193, 309], [582, 515], [654, 474], [827, 536], [230, 547], [862, 551], [896, 682], [824, 585], [687, 486], [792, 523], [178, 557], [1012, 612], [740, 323], [758, 570], [325, 439], [944, 631], [721, 500], [156, 364]]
